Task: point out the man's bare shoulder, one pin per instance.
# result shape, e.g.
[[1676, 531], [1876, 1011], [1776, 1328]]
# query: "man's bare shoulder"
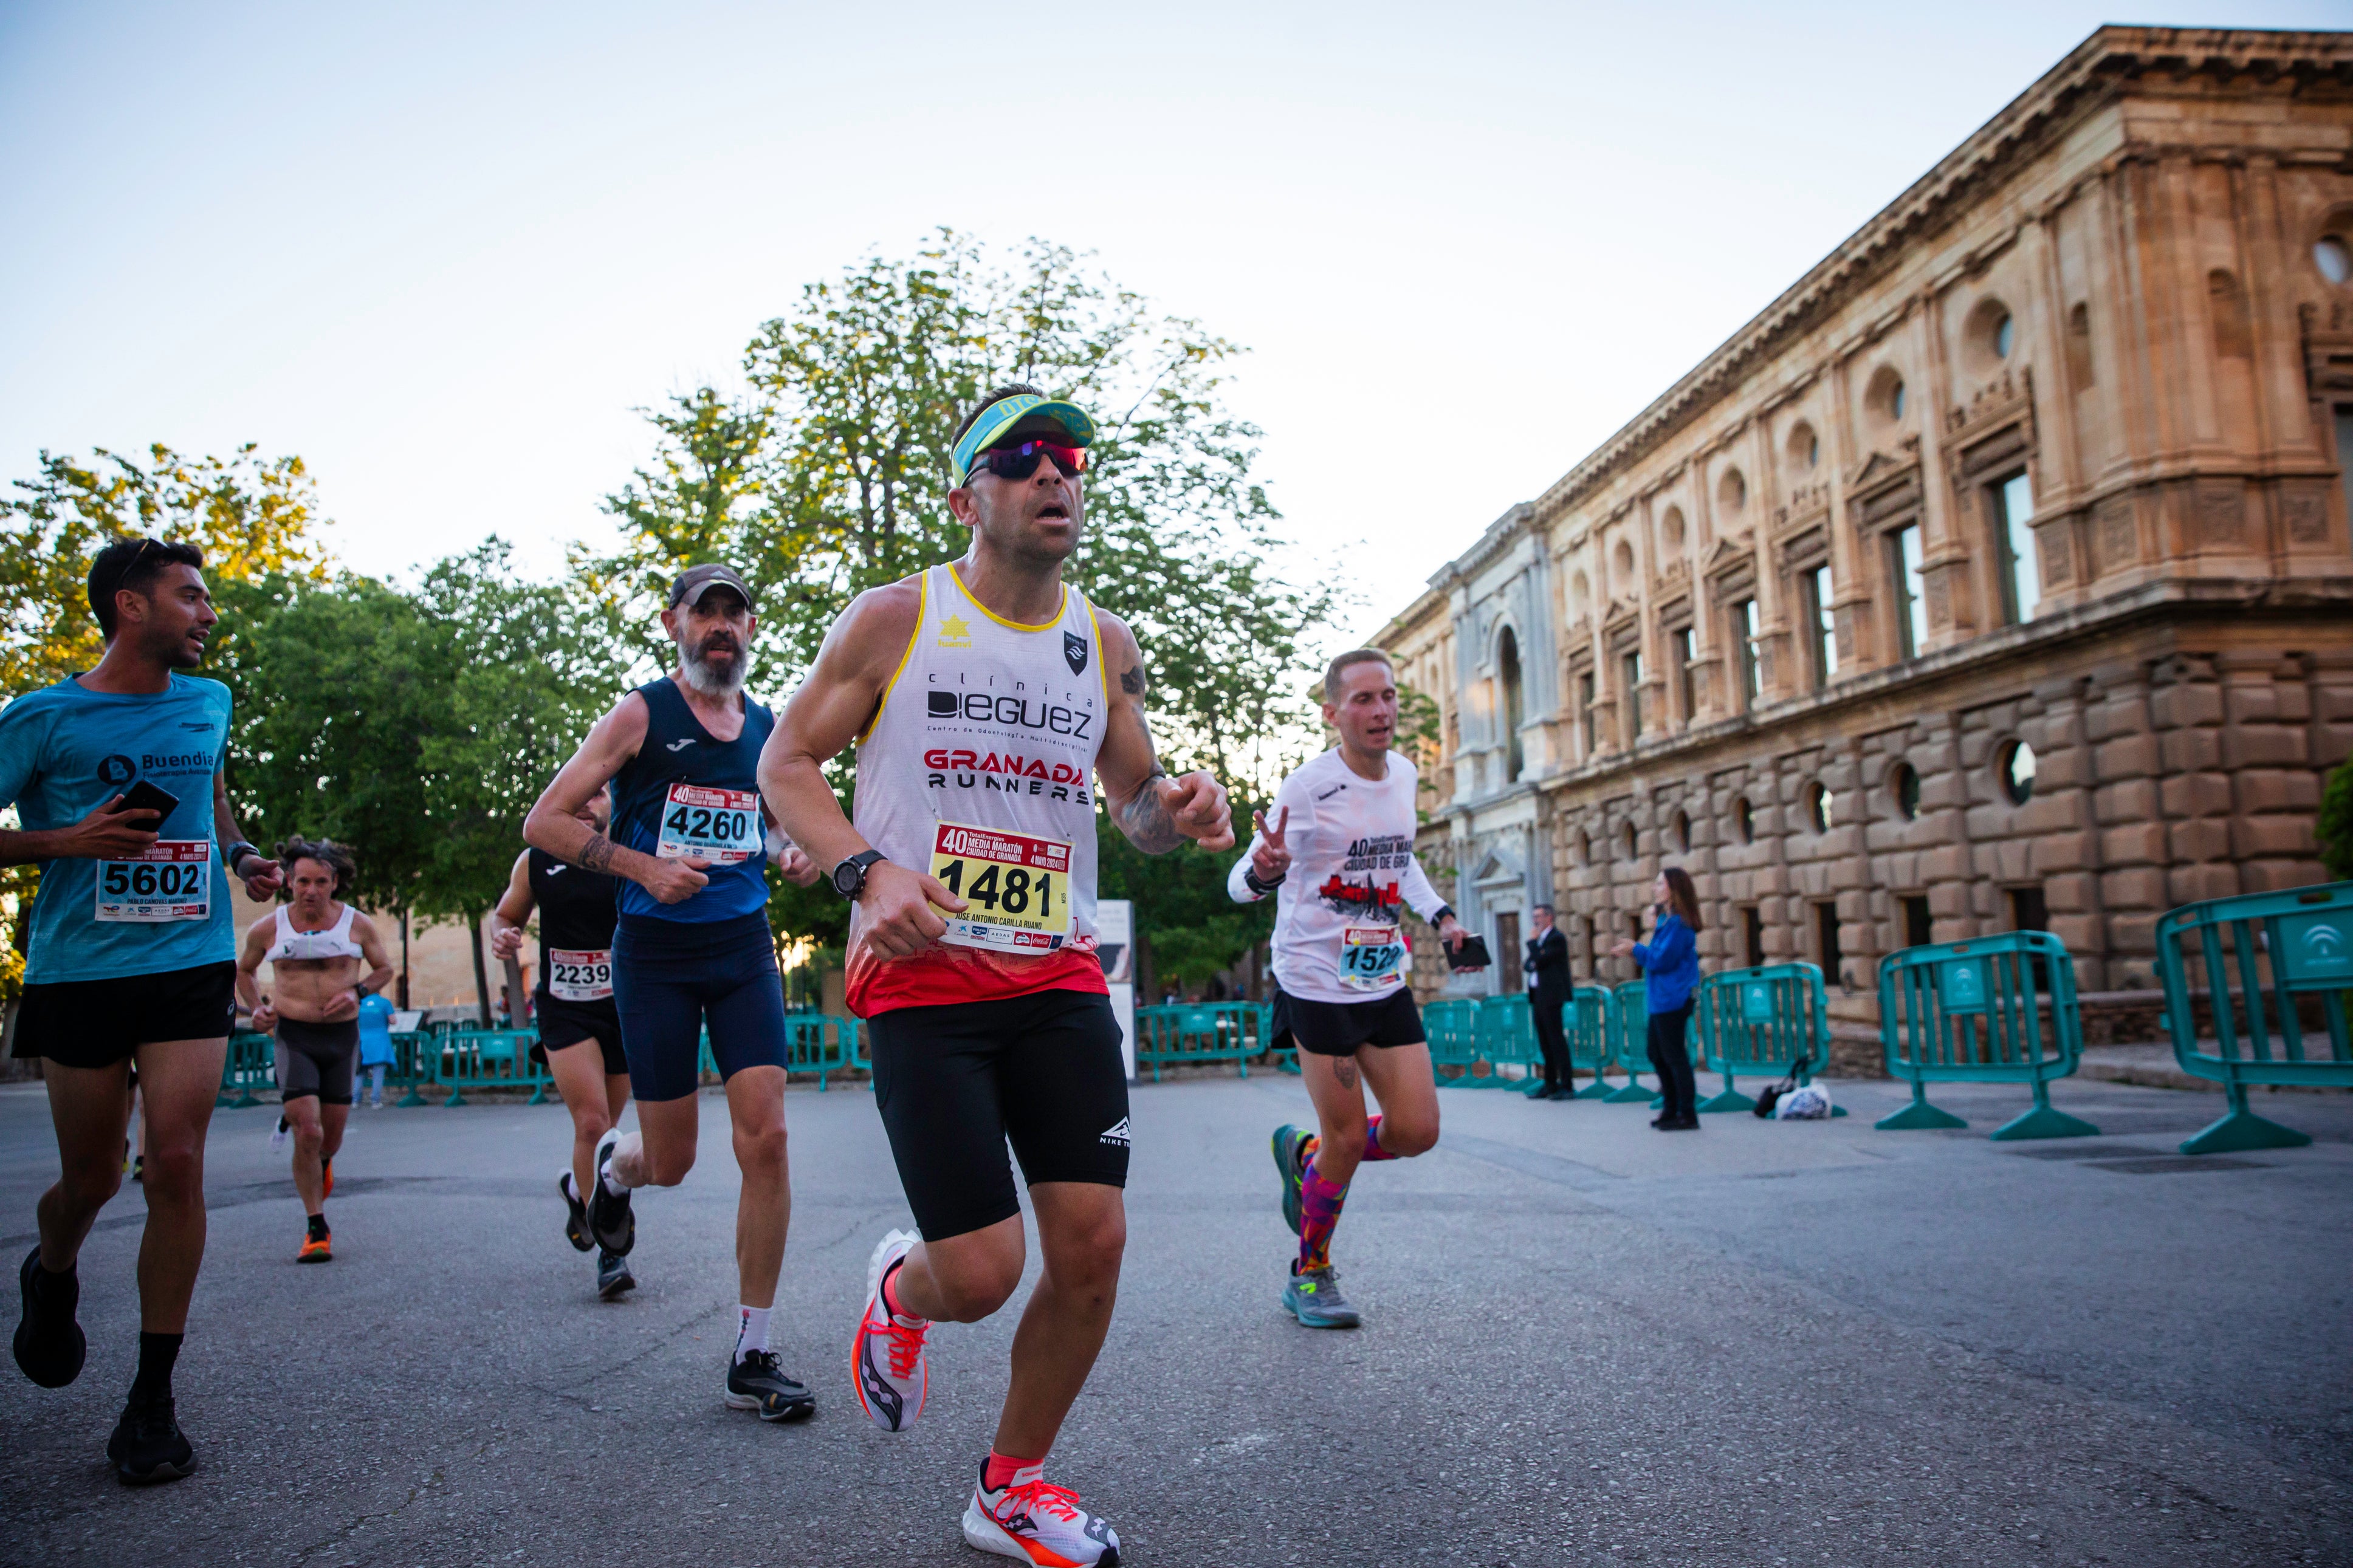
[[879, 622], [1122, 654]]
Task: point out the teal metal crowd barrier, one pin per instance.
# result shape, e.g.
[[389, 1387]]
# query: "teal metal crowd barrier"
[[2277, 970], [1453, 1026], [409, 1071], [1586, 1027], [819, 1042], [251, 1063], [1190, 1032], [488, 1058], [1632, 1003], [1769, 1021], [1996, 1009], [1504, 1036]]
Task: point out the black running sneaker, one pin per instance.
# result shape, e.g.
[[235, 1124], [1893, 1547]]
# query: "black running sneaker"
[[575, 1215], [614, 1280], [610, 1224], [756, 1383], [1290, 1159], [147, 1445], [50, 1344]]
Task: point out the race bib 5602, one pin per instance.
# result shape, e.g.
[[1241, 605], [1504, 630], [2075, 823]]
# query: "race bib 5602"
[[171, 881], [1015, 887], [1369, 956], [720, 825], [580, 975]]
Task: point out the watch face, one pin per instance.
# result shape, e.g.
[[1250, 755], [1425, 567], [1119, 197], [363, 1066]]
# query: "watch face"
[[847, 879]]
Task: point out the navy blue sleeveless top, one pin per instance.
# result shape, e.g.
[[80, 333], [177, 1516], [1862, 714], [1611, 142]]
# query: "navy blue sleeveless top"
[[685, 794]]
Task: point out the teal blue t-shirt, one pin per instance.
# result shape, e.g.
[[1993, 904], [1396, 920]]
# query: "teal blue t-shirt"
[[64, 751], [375, 1029]]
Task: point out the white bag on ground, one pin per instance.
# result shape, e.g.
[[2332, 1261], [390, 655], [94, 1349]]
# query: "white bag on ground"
[[1809, 1102]]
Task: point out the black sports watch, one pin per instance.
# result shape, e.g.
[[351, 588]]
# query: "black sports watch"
[[849, 876], [235, 852]]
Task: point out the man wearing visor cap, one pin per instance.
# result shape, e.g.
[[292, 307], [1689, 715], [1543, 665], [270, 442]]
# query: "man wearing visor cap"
[[991, 704], [691, 950]]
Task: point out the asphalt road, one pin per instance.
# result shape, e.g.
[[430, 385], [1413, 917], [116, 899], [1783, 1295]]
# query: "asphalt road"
[[1585, 1343]]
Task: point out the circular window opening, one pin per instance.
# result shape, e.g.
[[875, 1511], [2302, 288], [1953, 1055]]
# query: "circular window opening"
[[1805, 447], [1682, 831], [1731, 492], [2334, 257], [1581, 592], [1625, 840], [1895, 400], [1884, 399], [2016, 766], [1819, 807], [1907, 785], [1745, 819], [1623, 559], [1674, 526], [2005, 334]]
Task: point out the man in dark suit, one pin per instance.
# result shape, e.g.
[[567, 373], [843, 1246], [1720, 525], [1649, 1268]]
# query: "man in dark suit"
[[1548, 987]]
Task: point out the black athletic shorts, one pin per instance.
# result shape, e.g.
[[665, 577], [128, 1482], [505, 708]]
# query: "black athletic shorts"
[[1339, 1028], [955, 1082], [317, 1058], [97, 1023], [563, 1024]]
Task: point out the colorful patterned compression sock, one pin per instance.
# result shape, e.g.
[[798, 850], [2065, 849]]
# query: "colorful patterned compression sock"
[[1373, 1150], [1319, 1212]]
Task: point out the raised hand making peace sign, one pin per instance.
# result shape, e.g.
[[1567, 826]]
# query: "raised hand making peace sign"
[[1268, 859]]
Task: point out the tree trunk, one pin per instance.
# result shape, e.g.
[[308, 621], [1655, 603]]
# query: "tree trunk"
[[404, 961], [481, 971]]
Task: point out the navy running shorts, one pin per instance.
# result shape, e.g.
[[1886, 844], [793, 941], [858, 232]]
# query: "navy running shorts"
[[673, 979], [956, 1082]]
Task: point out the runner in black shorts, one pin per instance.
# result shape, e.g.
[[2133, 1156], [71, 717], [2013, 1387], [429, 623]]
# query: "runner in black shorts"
[[324, 956], [579, 1027], [987, 698], [116, 776], [1345, 823], [692, 948]]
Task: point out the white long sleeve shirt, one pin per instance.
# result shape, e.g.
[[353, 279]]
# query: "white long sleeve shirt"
[[1352, 867]]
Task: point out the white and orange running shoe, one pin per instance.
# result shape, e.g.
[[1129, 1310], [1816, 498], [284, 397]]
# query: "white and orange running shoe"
[[886, 1360], [1032, 1522]]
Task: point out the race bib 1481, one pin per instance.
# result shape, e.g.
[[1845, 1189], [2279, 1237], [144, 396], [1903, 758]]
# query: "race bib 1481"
[[171, 881], [1015, 887], [718, 826]]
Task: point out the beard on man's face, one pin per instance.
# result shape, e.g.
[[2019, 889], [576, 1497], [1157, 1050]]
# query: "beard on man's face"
[[723, 678]]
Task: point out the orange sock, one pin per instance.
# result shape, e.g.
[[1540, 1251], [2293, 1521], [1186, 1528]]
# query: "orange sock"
[[1003, 1470]]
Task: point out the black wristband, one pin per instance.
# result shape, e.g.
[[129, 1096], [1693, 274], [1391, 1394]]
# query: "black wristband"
[[1251, 881], [229, 855], [1439, 917]]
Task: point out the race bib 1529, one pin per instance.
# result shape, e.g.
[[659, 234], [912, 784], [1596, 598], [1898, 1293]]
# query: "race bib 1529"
[[580, 975], [1015, 887], [718, 826], [1369, 956], [171, 881]]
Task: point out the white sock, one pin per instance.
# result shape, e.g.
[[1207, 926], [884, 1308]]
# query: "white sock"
[[752, 1331], [628, 1143]]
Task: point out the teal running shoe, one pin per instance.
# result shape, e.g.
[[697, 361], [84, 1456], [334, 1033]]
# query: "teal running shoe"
[[1290, 1159], [1314, 1297]]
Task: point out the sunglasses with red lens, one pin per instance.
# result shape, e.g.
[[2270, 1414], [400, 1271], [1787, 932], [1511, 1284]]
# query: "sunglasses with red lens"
[[1020, 461]]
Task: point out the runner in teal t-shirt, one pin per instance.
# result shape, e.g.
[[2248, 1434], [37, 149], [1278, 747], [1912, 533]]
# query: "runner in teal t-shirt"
[[132, 959]]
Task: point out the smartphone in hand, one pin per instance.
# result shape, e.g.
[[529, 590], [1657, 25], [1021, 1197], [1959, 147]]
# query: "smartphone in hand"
[[146, 795]]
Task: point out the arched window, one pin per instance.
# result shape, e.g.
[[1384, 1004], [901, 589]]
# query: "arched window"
[[1507, 663]]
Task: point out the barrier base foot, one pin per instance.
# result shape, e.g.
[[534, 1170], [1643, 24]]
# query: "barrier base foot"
[[2043, 1121], [456, 1097], [1595, 1090], [1730, 1100], [411, 1097], [1658, 1102], [1838, 1110], [2244, 1130], [1628, 1095]]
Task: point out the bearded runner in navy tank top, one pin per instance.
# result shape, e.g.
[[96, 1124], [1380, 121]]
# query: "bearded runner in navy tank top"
[[688, 796]]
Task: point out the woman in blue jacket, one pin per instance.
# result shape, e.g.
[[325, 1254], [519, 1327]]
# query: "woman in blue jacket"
[[1670, 965]]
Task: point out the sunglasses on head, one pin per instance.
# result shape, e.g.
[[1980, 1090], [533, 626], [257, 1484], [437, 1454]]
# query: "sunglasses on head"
[[1020, 461]]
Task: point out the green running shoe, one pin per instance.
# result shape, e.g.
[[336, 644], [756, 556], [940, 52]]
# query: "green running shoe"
[[1314, 1297], [1290, 1159]]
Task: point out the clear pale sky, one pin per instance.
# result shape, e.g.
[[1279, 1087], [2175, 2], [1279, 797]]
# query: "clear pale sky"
[[444, 252]]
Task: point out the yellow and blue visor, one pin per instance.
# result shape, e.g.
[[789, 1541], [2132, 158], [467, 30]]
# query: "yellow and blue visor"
[[1015, 416]]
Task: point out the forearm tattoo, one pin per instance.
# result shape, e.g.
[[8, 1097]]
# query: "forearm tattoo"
[[596, 855], [1145, 820]]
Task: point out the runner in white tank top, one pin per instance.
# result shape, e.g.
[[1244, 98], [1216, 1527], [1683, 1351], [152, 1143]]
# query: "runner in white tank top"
[[988, 699], [1339, 858]]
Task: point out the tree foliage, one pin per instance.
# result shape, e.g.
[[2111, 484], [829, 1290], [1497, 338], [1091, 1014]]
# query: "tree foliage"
[[2334, 828]]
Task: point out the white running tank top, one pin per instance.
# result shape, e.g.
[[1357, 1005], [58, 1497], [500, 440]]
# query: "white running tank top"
[[336, 941], [979, 769]]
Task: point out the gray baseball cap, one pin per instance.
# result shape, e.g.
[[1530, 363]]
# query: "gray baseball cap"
[[697, 580]]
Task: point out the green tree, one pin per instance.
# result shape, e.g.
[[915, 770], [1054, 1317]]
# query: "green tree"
[[2334, 828], [255, 519]]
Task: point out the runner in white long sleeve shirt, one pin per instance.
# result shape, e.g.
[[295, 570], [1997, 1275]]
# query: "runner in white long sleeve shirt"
[[1338, 859]]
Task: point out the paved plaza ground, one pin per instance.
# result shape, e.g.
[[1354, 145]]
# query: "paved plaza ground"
[[1585, 1342]]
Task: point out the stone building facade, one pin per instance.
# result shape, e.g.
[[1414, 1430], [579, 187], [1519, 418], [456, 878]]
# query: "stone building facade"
[[1996, 574]]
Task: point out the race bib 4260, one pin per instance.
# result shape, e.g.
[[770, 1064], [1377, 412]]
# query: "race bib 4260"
[[171, 881], [1369, 956], [719, 825], [1015, 887]]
